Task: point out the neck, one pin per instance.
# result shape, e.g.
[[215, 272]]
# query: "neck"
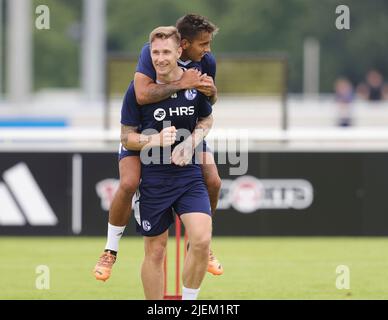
[[174, 75], [184, 56]]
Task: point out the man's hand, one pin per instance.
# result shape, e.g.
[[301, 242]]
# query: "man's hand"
[[207, 86], [183, 153], [191, 78], [166, 137]]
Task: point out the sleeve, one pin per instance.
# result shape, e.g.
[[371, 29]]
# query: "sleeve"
[[209, 66], [130, 112], [144, 65], [205, 108]]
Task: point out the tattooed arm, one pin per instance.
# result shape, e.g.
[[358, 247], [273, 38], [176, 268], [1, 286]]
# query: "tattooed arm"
[[147, 91], [202, 129], [183, 152], [132, 140], [208, 88]]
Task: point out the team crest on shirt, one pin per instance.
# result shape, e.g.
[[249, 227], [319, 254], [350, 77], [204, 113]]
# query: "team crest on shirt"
[[190, 94], [159, 114], [146, 225]]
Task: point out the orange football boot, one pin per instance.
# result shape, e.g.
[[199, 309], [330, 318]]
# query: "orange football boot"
[[214, 266], [103, 268]]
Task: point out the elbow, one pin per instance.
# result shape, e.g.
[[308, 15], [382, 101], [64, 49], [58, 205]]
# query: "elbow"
[[125, 140], [141, 97], [130, 143], [142, 85], [125, 144]]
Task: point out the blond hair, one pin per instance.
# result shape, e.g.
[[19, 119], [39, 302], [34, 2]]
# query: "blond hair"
[[165, 33]]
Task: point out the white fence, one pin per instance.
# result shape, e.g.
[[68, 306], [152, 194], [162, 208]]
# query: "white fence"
[[218, 139]]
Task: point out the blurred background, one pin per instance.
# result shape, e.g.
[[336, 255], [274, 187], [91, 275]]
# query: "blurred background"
[[60, 72], [305, 79]]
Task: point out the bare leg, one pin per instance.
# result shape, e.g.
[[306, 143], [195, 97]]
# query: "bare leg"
[[119, 214], [212, 179], [120, 210], [152, 274], [199, 228]]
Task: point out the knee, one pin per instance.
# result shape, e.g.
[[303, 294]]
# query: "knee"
[[213, 183], [156, 253], [129, 186], [201, 245]]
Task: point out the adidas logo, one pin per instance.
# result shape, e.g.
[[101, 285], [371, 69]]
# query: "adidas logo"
[[22, 201]]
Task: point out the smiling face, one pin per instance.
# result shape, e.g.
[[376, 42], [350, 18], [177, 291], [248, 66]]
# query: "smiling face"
[[195, 49], [164, 55]]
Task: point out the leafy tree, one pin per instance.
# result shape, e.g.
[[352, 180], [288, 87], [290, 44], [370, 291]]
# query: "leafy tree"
[[258, 26], [56, 51]]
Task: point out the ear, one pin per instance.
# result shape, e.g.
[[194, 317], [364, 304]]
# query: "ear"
[[185, 44], [180, 50]]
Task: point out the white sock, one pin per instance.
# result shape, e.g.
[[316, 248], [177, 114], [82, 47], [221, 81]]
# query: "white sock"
[[189, 294], [114, 236]]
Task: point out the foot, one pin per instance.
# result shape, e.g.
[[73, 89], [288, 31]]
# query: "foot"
[[103, 268], [214, 267]]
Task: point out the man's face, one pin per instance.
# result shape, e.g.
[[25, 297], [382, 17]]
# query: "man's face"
[[197, 48], [164, 55]]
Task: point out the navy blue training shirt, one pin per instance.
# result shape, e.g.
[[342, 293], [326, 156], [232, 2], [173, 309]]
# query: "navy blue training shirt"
[[182, 110], [206, 65]]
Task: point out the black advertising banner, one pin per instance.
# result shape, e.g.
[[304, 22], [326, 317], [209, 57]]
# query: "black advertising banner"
[[35, 194], [297, 194], [100, 182], [281, 194]]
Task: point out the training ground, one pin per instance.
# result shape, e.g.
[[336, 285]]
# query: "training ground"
[[255, 268]]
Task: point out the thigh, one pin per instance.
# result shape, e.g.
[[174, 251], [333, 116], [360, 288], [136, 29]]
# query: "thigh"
[[130, 168], [194, 197], [197, 225], [153, 243]]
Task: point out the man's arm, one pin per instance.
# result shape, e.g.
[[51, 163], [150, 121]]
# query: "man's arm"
[[213, 99], [132, 140], [201, 130], [183, 152], [147, 91], [208, 88], [209, 67], [204, 123]]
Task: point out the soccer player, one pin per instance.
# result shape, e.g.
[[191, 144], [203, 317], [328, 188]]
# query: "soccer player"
[[196, 35], [173, 183]]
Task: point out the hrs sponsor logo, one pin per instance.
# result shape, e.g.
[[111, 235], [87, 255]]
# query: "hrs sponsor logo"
[[160, 114]]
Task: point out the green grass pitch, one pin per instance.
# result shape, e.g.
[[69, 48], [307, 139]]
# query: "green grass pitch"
[[255, 268]]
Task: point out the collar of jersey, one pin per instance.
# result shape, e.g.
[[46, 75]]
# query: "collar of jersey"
[[185, 63]]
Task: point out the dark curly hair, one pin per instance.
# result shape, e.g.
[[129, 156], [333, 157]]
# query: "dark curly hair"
[[190, 25]]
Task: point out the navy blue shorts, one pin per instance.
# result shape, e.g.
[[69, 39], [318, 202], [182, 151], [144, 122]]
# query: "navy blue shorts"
[[127, 153], [159, 197]]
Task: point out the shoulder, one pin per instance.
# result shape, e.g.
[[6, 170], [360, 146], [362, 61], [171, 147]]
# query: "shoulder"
[[131, 89], [146, 48], [208, 59], [130, 95], [208, 64]]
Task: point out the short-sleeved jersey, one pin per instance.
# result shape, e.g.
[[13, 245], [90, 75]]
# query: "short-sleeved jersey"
[[182, 110], [206, 65]]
